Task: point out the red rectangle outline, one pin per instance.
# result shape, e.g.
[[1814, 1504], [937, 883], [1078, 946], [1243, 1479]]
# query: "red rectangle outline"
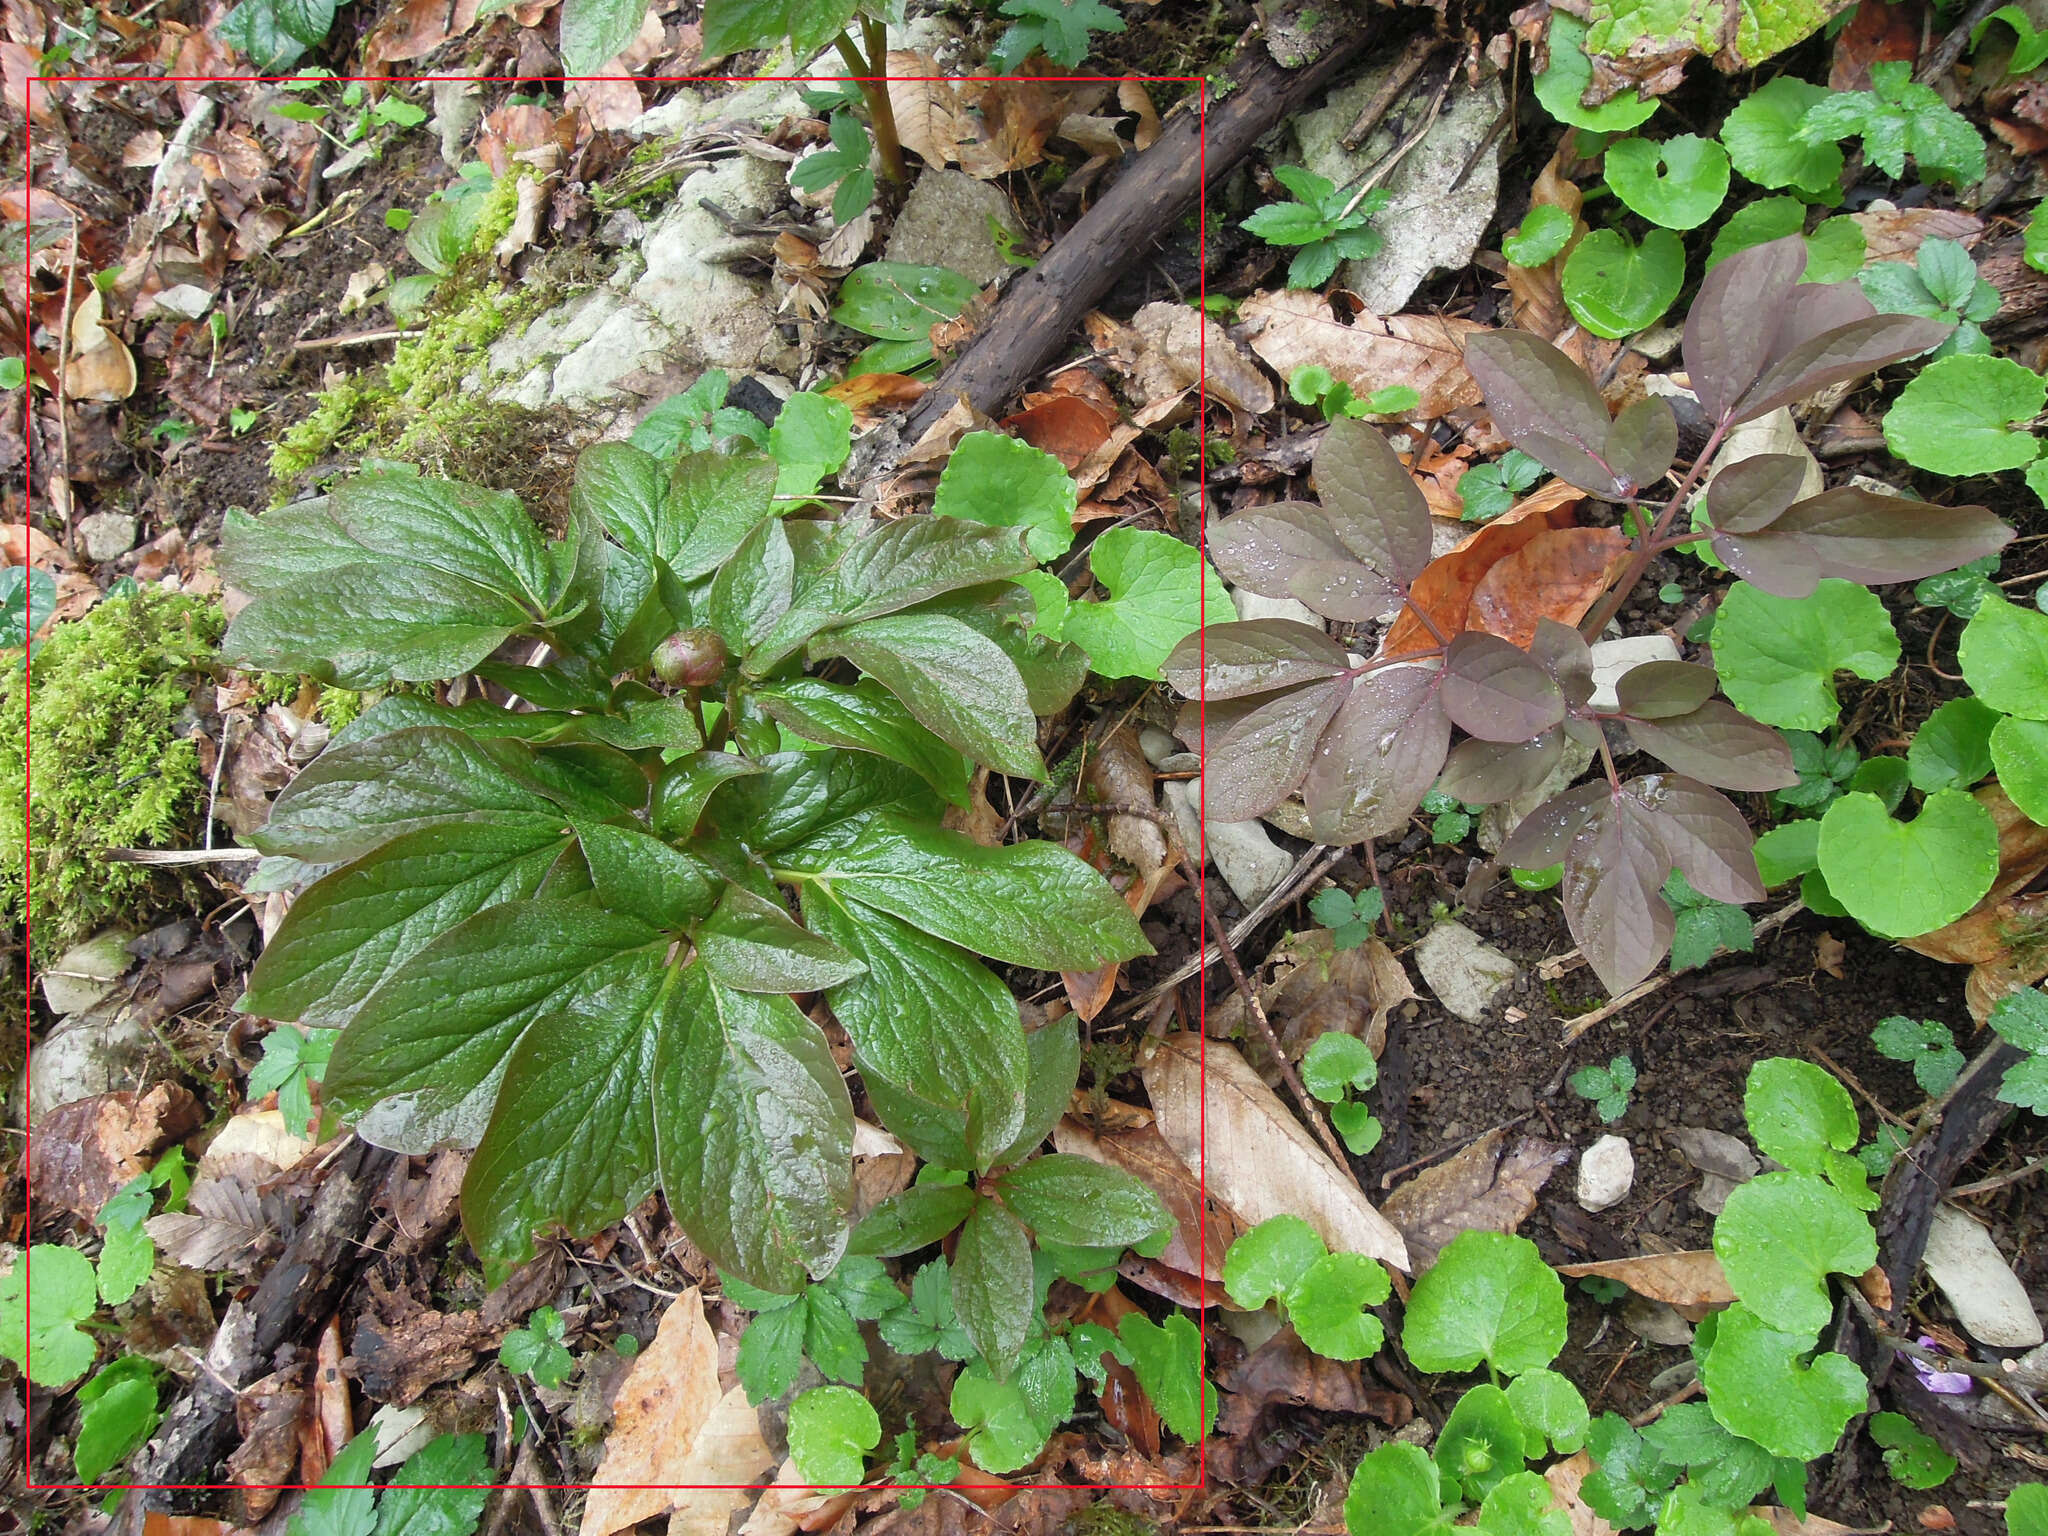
[[1201, 84]]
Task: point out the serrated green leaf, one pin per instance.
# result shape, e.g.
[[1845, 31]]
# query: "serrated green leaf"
[[1074, 1200], [445, 1510], [1551, 1410], [334, 1508], [2004, 656], [992, 1283], [1167, 1360]]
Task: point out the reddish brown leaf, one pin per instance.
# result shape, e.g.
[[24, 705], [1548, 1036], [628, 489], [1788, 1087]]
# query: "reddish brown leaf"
[[1444, 589], [1557, 575], [877, 392], [88, 1149], [1879, 32], [1066, 426]]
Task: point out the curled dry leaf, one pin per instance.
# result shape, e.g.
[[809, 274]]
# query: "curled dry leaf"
[[87, 1149], [1290, 329], [672, 1426], [1445, 587], [869, 394], [1166, 348], [1538, 292], [986, 129], [1261, 1161], [1692, 1278], [1477, 1190], [1067, 426]]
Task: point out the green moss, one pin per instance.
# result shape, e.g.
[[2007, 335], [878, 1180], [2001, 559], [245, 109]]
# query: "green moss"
[[1105, 1519], [314, 439], [109, 767], [339, 707]]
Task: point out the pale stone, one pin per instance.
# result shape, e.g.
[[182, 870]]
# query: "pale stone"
[[86, 973], [1251, 606], [1611, 658], [106, 536], [1987, 1296], [1426, 225], [1607, 1171], [1464, 971], [1655, 1322], [945, 222], [1249, 861], [90, 1053]]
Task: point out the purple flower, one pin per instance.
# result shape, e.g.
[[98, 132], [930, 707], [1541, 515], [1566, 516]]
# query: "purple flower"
[[1953, 1383]]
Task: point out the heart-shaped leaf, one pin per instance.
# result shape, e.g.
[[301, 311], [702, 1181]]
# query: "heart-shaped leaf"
[[1779, 1238], [1677, 184], [1614, 288], [1901, 878], [1760, 1387]]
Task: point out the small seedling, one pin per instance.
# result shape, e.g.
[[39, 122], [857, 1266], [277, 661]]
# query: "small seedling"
[[1451, 819], [1488, 490], [844, 163], [292, 1061], [1325, 221], [1704, 927], [1924, 1043], [1824, 771], [1602, 1289], [537, 1349], [1941, 284], [1348, 916], [1336, 1066], [13, 373], [1314, 385], [1913, 1458], [1961, 591], [918, 1472], [1607, 1088], [1671, 592]]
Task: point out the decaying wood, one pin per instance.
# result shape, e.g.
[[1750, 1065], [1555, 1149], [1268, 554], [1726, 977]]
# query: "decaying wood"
[[1039, 311], [296, 1298]]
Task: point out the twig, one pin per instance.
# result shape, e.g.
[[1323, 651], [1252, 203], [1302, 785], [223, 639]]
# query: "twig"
[[1401, 151], [173, 856], [1309, 1108], [1943, 55], [1656, 1410], [64, 390], [355, 339], [526, 1473], [1406, 68], [1997, 1181]]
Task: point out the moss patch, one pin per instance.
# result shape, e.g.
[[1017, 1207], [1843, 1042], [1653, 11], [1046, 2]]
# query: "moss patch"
[[109, 767]]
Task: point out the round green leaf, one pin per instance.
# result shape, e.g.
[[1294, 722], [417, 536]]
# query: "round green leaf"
[[1901, 878], [1798, 1114], [1488, 1297], [1395, 1491], [1264, 1263], [1327, 1306], [1952, 749], [1551, 1410], [1480, 1443], [996, 479], [1834, 251], [1914, 1458], [1759, 133], [1759, 1387], [1337, 1062], [1757, 223], [1956, 417], [1614, 288], [1002, 1432], [43, 1299], [1677, 184], [1544, 232], [2004, 652], [831, 1430], [1562, 86], [2019, 751], [1779, 1238], [1524, 1504], [2026, 1510], [1778, 655]]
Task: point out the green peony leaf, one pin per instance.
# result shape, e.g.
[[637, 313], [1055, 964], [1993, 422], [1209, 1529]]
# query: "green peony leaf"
[[1957, 416], [893, 301], [344, 1502], [1064, 1198], [1759, 1387], [1490, 1297], [831, 1430], [1901, 878], [810, 439], [1677, 184], [1780, 1237], [1614, 288], [1778, 656]]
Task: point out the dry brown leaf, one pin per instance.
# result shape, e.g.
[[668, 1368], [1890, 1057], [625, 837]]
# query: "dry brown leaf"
[[729, 1449], [1168, 349], [986, 129], [1477, 1190], [872, 393], [1132, 96], [89, 1148], [1556, 575], [1538, 292], [222, 1222], [1565, 1478], [417, 28], [1445, 587], [330, 1425], [1068, 427], [1290, 329], [1692, 1278], [1143, 1153], [1894, 234], [2002, 938], [1828, 954], [607, 105], [659, 1418], [1261, 1161], [1880, 31], [1309, 987], [157, 1523]]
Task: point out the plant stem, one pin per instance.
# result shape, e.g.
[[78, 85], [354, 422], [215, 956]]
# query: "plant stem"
[[867, 72], [1646, 549]]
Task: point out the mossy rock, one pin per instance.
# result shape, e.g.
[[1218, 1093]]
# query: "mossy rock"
[[115, 761]]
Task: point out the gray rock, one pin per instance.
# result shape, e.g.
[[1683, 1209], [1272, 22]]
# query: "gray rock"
[[86, 973], [1426, 225], [945, 223], [1607, 1171], [1988, 1298], [1252, 606], [106, 536], [89, 1053], [1464, 971], [1249, 861]]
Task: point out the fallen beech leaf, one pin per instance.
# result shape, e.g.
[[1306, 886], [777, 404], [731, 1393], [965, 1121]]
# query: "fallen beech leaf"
[[1557, 575], [1565, 1478], [1143, 1153], [1477, 1190], [729, 1449], [660, 1418], [87, 1149], [1445, 587], [1310, 987], [1132, 96], [874, 392], [1167, 347], [1828, 954], [607, 105], [1692, 1278], [1065, 426], [1260, 1161], [417, 28], [1894, 234], [985, 129], [1291, 328], [223, 1221]]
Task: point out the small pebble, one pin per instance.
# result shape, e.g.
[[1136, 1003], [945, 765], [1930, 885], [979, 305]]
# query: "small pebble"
[[1607, 1170]]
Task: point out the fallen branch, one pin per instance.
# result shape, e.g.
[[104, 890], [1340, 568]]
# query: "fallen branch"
[[1039, 311]]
